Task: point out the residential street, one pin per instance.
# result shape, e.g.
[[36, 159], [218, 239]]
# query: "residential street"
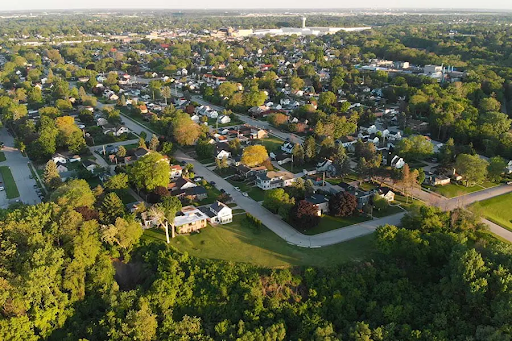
[[20, 171]]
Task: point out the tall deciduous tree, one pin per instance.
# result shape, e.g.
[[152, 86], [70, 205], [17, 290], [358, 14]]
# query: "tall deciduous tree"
[[51, 175], [254, 155], [342, 204], [150, 172], [472, 168]]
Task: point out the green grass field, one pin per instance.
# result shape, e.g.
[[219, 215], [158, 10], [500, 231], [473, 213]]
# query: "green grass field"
[[454, 190], [329, 223], [272, 144], [2, 157], [497, 210], [11, 190], [238, 242]]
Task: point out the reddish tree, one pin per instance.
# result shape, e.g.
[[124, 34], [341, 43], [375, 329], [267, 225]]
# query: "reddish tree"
[[87, 213], [342, 204], [304, 215]]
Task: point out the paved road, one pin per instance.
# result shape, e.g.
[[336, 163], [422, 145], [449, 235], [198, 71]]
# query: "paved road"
[[99, 160], [498, 230], [20, 171]]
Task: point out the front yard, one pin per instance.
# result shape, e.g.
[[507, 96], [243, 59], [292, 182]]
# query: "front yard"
[[454, 190], [240, 242], [272, 144], [497, 209], [329, 223]]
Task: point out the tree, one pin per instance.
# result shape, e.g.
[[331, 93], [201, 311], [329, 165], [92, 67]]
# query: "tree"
[[276, 198], [51, 176], [297, 83], [123, 234], [409, 180], [326, 100], [298, 154], [142, 143], [472, 168], [111, 208], [166, 93], [184, 130], [310, 148], [117, 182], [416, 147], [254, 155], [496, 168], [277, 119], [227, 89], [167, 148], [121, 152], [304, 215], [74, 193], [342, 204], [165, 213], [379, 203], [149, 172], [154, 143]]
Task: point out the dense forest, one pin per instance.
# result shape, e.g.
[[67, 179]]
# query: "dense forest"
[[438, 277]]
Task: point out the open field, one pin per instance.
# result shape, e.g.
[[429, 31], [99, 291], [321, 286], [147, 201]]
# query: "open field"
[[497, 210], [454, 190], [240, 242], [329, 223], [11, 190]]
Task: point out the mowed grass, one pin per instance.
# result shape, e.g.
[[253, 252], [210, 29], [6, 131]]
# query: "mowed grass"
[[2, 157], [272, 144], [11, 190], [497, 210], [240, 242], [455, 190], [329, 223]]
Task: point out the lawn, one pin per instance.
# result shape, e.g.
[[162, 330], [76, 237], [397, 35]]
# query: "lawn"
[[2, 156], [238, 242], [329, 223], [125, 196], [272, 144], [254, 192], [497, 210], [387, 211], [213, 194], [454, 190], [11, 190], [298, 168]]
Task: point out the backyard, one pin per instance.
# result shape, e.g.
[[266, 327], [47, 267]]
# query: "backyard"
[[11, 190], [240, 242], [272, 144], [453, 190], [497, 209]]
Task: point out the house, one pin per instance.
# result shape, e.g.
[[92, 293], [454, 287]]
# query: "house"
[[326, 166], [101, 122], [386, 193], [509, 167], [273, 179], [258, 134], [75, 158], [248, 172], [223, 155], [89, 165], [321, 203], [397, 162], [180, 184], [363, 197], [224, 119], [116, 131], [190, 219], [140, 152], [176, 171], [281, 158], [222, 213], [438, 180], [59, 158], [61, 168], [287, 147], [195, 193]]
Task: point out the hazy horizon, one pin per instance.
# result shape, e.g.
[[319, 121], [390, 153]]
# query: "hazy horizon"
[[27, 5]]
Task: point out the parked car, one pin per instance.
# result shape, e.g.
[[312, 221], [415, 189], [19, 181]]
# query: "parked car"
[[2, 188], [237, 189], [245, 194], [212, 183]]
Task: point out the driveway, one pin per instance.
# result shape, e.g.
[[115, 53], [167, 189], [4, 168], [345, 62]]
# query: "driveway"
[[20, 171]]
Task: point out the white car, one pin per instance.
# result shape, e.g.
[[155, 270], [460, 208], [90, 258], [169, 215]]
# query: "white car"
[[237, 189], [245, 194], [2, 188]]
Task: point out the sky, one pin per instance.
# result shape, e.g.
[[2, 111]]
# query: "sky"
[[6, 5]]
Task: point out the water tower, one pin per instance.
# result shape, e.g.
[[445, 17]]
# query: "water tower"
[[303, 22]]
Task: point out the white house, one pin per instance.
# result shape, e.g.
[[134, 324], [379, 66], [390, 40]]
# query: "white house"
[[176, 171], [101, 121], [272, 180], [223, 154], [59, 158], [212, 114], [387, 194], [116, 131], [397, 162], [287, 147], [509, 167], [321, 203], [195, 118], [75, 158], [326, 166], [224, 119], [90, 166], [223, 214], [61, 168]]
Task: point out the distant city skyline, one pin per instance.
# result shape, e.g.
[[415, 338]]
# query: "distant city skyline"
[[262, 4]]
